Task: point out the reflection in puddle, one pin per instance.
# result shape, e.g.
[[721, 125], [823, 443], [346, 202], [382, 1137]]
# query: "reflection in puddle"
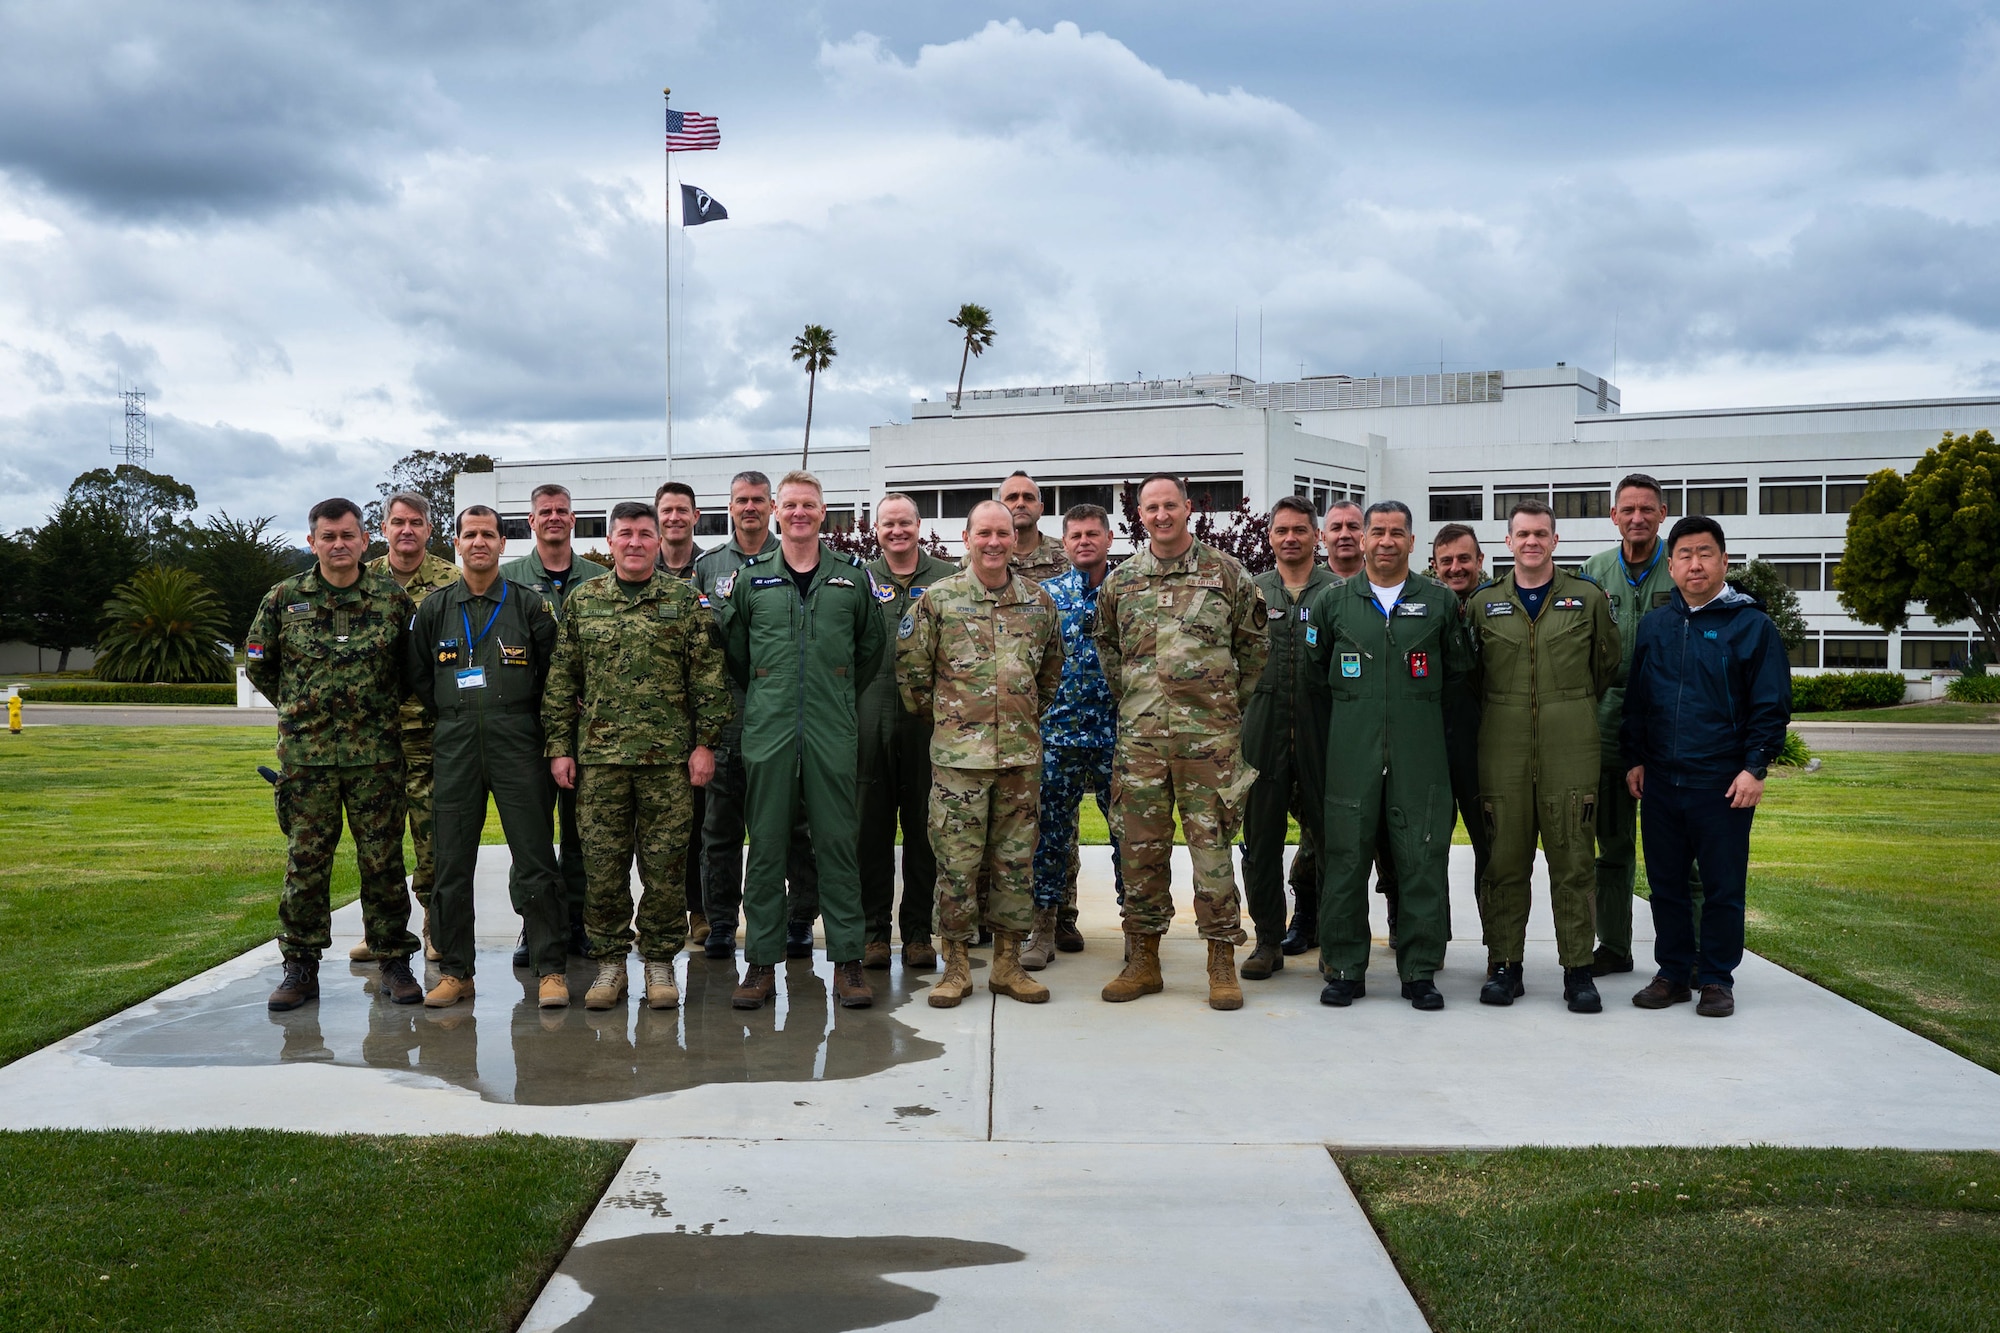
[[507, 1050], [774, 1284]]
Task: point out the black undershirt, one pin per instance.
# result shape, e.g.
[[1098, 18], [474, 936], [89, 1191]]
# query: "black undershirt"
[[802, 577]]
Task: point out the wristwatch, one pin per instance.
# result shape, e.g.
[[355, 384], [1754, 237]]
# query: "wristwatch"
[[1757, 772]]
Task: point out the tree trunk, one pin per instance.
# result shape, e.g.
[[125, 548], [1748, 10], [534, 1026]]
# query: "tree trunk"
[[963, 358], [812, 381], [62, 662]]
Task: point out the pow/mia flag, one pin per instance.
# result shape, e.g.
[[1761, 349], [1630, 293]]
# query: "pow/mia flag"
[[698, 206]]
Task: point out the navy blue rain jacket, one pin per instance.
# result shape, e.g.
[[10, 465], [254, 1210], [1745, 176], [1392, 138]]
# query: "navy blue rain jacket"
[[1709, 692]]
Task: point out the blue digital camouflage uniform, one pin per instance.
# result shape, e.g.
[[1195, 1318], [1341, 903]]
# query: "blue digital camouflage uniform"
[[1078, 734]]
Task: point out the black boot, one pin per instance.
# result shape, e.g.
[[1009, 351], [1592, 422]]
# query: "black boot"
[[1262, 962], [1423, 995], [721, 941], [1303, 933], [1606, 963], [1503, 986], [1395, 901], [798, 939], [1340, 993], [300, 984], [1581, 991], [521, 950]]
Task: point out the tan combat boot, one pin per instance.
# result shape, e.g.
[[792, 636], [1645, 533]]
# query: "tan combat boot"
[[1224, 992], [1040, 950], [430, 950], [448, 992], [697, 928], [553, 991], [361, 953], [661, 993], [609, 988], [875, 955], [956, 983], [1142, 970], [1006, 976]]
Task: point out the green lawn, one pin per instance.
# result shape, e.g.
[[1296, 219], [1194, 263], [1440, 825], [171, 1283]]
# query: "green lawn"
[[1756, 1240], [1941, 710], [256, 1230]]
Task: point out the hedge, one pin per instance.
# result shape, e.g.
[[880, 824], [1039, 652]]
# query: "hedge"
[[1835, 691], [1974, 690], [111, 692]]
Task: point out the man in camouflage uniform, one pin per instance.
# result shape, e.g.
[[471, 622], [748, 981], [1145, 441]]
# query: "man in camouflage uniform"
[[406, 530], [981, 655], [1180, 630], [1036, 556], [680, 514], [635, 703], [1078, 732], [326, 647]]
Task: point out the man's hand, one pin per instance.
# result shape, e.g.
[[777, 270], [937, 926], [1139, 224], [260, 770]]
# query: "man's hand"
[[564, 772], [1635, 781], [1745, 791], [701, 765]]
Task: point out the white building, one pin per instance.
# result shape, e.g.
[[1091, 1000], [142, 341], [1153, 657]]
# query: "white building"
[[1454, 447]]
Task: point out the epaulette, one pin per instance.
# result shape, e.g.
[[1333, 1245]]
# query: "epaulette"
[[1579, 574]]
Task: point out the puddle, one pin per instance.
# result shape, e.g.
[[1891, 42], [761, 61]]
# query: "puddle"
[[773, 1284], [506, 1049]]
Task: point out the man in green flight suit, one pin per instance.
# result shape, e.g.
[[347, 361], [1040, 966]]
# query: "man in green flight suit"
[[804, 638], [479, 655], [1635, 574], [327, 648], [406, 530], [896, 755], [1395, 659], [1284, 739], [1547, 648]]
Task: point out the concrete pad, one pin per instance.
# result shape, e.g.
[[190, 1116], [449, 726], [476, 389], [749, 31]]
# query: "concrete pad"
[[780, 1236]]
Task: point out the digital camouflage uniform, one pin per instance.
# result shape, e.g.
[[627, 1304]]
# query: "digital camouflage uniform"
[[692, 881], [477, 664], [432, 574], [1284, 739], [331, 660], [1540, 680], [983, 664], [896, 775], [1078, 733], [637, 683], [1393, 679], [1182, 641]]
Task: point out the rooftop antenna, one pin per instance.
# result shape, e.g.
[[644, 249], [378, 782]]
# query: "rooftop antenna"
[[1235, 339], [1260, 344], [138, 445], [1614, 344]]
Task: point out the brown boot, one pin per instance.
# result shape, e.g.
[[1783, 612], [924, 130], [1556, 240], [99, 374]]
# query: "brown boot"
[[1263, 961], [1068, 938], [1142, 970], [697, 928], [448, 992], [956, 983], [361, 953], [919, 954], [850, 987], [430, 950], [875, 955], [552, 991], [760, 983], [300, 984], [397, 981], [1040, 949], [1223, 992], [1006, 977]]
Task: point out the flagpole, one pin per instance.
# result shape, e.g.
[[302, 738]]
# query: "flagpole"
[[667, 252]]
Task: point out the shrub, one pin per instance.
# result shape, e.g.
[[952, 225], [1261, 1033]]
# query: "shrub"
[[1974, 690], [1835, 691], [165, 626], [113, 693], [1794, 753]]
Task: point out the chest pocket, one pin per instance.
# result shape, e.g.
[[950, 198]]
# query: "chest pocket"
[[1019, 631], [308, 635], [1197, 627]]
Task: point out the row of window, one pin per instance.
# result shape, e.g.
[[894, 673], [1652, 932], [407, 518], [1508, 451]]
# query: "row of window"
[[1871, 653], [710, 523], [1323, 491], [1720, 499]]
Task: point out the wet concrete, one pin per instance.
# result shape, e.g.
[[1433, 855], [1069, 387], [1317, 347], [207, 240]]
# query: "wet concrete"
[[773, 1284], [508, 1050]]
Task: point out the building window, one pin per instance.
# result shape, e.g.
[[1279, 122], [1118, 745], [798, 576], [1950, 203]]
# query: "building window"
[[1671, 496], [925, 501], [589, 525], [1935, 654], [839, 518], [1505, 498], [1718, 499], [1070, 496], [1591, 503], [516, 529], [1842, 492], [1857, 654], [1217, 497], [1457, 506], [1500, 569], [1806, 654], [712, 525], [1789, 495], [960, 501], [1800, 573]]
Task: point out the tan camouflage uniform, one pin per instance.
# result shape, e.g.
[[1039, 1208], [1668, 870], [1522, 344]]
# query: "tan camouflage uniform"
[[983, 665], [636, 683], [431, 575], [1183, 643]]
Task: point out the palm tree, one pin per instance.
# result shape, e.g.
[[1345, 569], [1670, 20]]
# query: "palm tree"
[[815, 348], [977, 323], [164, 625]]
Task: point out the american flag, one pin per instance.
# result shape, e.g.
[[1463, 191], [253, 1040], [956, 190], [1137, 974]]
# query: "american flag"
[[688, 132]]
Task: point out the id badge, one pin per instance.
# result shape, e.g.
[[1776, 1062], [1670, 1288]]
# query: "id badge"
[[1420, 665], [471, 678]]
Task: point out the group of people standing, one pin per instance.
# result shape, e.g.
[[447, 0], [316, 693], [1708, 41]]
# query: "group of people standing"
[[778, 692]]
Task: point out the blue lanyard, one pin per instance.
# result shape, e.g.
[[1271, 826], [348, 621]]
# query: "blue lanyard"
[[471, 643], [1659, 549]]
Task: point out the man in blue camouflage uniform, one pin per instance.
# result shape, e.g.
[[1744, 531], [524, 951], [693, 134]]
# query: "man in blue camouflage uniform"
[[1077, 736]]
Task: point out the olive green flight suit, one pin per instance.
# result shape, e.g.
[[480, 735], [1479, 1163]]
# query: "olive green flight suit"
[[430, 574], [1540, 680], [477, 664], [802, 661], [1392, 678], [1284, 739]]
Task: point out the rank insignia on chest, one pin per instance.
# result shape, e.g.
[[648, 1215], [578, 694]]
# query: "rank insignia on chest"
[[837, 581], [1413, 608], [514, 654], [906, 627], [254, 651], [1166, 599], [1420, 665], [1567, 603], [1350, 665], [1499, 608], [768, 581], [883, 592], [1306, 614], [299, 609]]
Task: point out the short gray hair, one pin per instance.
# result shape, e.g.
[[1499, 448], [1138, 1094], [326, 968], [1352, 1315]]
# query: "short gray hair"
[[409, 500]]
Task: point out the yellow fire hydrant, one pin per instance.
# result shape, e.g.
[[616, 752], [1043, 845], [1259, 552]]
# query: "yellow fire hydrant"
[[14, 713]]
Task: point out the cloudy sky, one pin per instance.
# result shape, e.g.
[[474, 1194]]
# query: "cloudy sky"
[[321, 235]]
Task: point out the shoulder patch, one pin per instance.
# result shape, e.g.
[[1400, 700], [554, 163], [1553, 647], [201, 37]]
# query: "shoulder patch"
[[1499, 608], [254, 651], [885, 592], [724, 584]]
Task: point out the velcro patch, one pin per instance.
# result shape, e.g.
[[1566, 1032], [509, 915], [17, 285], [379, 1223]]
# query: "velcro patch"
[[906, 627], [1499, 608], [254, 651], [514, 654], [1350, 665], [916, 594], [299, 609], [1568, 603], [883, 592], [771, 581], [724, 584], [1413, 608]]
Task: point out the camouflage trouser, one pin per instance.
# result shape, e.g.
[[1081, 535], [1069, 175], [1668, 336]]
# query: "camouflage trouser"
[[983, 819], [417, 795], [1068, 771], [622, 809], [1204, 776], [310, 802]]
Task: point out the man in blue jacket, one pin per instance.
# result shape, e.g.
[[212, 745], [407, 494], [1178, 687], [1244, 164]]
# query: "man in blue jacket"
[[1707, 700]]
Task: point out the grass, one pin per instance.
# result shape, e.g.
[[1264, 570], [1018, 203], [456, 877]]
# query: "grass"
[[1766, 1239], [1940, 710], [254, 1230]]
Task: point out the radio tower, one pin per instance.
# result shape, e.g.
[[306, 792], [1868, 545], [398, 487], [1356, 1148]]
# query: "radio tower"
[[138, 446]]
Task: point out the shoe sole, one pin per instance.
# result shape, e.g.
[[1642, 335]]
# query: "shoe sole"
[[1594, 1005], [666, 1002], [1109, 998], [1360, 994], [743, 1003], [408, 999], [441, 1004], [1428, 1005], [1225, 1003], [857, 1002], [1485, 998], [602, 1004], [938, 1001], [1040, 996], [300, 1003], [563, 1003]]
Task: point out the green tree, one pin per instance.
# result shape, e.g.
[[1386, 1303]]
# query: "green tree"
[[80, 557], [431, 474], [1761, 579], [17, 554], [815, 348], [1932, 537], [976, 323], [238, 561], [163, 627], [150, 503]]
